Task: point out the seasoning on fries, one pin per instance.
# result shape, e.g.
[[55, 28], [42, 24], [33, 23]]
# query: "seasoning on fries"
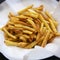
[[31, 27]]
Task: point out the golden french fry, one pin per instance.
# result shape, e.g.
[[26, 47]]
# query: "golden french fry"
[[45, 39], [14, 37], [22, 11], [32, 11], [52, 25], [27, 32], [50, 16], [42, 19], [32, 23], [25, 27], [23, 38], [29, 14], [26, 36], [11, 15], [33, 43], [42, 25], [22, 17], [41, 7], [51, 35], [44, 30], [22, 44], [10, 43], [40, 42]]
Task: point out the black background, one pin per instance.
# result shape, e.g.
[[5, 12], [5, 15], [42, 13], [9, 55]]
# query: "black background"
[[50, 58]]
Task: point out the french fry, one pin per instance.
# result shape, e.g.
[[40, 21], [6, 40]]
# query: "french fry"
[[42, 25], [22, 17], [22, 44], [32, 23], [11, 15], [9, 33], [14, 19], [40, 42], [27, 32], [23, 38], [29, 14], [41, 7], [33, 43], [26, 36], [22, 11], [44, 29], [45, 39], [32, 11], [52, 26], [25, 27], [42, 19], [37, 23], [31, 37], [50, 16], [10, 43]]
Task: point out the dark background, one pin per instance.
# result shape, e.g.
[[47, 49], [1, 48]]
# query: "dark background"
[[2, 57]]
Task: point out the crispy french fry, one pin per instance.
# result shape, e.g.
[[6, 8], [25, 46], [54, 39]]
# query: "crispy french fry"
[[44, 29], [23, 38], [40, 42], [25, 27], [50, 16], [42, 19], [22, 11], [32, 11], [52, 25], [22, 44], [30, 14], [26, 36], [27, 32], [32, 23], [45, 39], [33, 43], [14, 18], [41, 7], [9, 33], [10, 43], [11, 15], [22, 17], [42, 25]]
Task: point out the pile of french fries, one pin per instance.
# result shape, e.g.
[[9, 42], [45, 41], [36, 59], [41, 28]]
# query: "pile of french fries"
[[31, 27]]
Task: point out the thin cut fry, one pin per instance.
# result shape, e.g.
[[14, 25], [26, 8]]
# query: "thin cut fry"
[[52, 25], [23, 38], [26, 36], [22, 17], [32, 23], [50, 16], [45, 39], [22, 44], [42, 25], [25, 27], [42, 19], [22, 11], [29, 14], [9, 33], [27, 32], [33, 43], [10, 43]]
